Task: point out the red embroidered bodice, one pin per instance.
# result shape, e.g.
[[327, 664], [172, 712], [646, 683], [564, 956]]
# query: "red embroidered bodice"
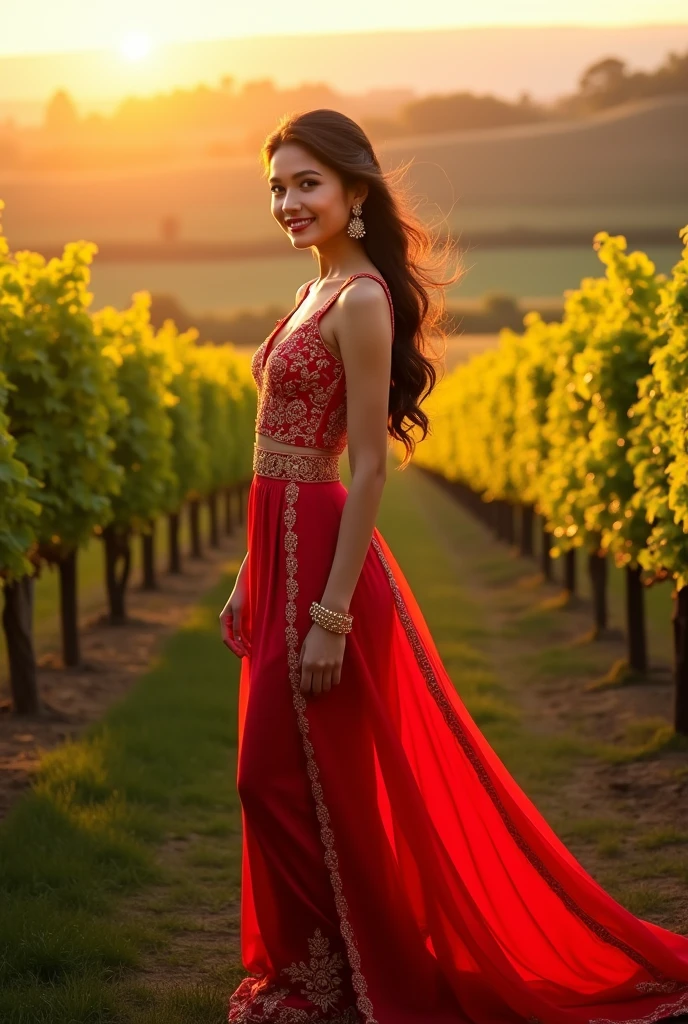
[[301, 384]]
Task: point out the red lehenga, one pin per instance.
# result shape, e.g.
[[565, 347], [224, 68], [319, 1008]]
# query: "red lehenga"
[[393, 871]]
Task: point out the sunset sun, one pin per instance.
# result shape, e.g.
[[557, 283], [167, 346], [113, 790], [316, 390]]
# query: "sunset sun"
[[135, 46]]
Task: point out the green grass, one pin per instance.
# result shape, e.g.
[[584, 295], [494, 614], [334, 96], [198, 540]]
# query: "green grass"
[[658, 838], [562, 659], [85, 837]]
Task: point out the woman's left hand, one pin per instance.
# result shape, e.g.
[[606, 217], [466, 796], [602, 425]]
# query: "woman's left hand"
[[320, 661]]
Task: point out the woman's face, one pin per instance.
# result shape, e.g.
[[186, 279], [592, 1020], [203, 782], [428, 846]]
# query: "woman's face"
[[302, 188]]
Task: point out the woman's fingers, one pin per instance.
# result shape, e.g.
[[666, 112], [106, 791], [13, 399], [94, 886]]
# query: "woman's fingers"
[[227, 626], [236, 644], [316, 684], [306, 678], [245, 633]]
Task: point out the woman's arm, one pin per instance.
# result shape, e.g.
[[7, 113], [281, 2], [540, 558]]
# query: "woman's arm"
[[363, 330]]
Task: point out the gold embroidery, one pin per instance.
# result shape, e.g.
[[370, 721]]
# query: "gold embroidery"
[[661, 986], [301, 384], [364, 1004], [303, 466], [336, 426], [299, 388], [321, 976], [659, 1013], [454, 724], [259, 1001]]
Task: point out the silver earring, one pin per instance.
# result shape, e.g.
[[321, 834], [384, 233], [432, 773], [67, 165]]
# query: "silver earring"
[[355, 226]]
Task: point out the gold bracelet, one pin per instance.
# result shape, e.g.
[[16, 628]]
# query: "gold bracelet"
[[336, 622]]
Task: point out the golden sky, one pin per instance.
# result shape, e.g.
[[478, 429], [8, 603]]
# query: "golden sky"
[[133, 27]]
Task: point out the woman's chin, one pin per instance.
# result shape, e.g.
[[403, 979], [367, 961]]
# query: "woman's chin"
[[301, 243]]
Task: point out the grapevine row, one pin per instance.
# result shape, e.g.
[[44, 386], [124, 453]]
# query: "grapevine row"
[[106, 425], [585, 423]]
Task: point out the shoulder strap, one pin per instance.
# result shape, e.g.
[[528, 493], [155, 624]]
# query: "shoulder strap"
[[361, 273]]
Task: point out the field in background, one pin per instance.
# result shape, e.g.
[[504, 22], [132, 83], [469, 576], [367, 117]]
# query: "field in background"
[[623, 170], [620, 169], [224, 287]]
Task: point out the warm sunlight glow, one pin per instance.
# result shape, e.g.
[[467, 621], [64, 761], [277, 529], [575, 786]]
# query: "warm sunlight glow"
[[135, 46], [72, 25]]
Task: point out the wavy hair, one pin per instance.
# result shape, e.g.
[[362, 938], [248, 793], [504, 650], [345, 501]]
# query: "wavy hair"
[[406, 252]]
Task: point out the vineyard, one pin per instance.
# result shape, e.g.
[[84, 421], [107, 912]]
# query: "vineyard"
[[120, 866], [107, 426], [584, 424]]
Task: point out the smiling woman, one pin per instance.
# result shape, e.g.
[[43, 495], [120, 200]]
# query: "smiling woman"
[[393, 871]]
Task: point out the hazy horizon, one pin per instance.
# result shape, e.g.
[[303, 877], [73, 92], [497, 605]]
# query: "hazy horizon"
[[505, 61]]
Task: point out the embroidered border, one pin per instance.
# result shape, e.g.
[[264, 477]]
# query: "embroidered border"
[[662, 1012], [363, 1003], [303, 466], [454, 724]]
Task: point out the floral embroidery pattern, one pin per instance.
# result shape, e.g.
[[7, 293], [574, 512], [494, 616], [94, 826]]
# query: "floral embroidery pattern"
[[454, 724], [301, 384], [358, 981], [259, 1001], [299, 387], [336, 426], [320, 976]]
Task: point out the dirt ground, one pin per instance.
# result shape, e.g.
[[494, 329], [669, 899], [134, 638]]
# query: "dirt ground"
[[113, 657]]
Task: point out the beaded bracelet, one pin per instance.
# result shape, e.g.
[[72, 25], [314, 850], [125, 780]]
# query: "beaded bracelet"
[[336, 622]]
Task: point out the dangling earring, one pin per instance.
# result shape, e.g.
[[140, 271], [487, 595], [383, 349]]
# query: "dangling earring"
[[355, 226]]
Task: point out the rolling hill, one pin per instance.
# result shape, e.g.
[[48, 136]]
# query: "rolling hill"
[[620, 170]]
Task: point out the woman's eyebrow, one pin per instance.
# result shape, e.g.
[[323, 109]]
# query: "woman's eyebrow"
[[297, 174]]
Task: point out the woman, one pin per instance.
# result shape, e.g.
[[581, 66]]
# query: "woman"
[[393, 871]]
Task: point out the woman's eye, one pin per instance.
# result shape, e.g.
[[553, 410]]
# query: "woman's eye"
[[307, 181]]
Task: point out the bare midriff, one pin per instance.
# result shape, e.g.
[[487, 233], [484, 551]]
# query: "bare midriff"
[[279, 446]]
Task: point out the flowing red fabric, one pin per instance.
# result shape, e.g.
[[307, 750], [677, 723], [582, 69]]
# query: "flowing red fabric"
[[393, 871]]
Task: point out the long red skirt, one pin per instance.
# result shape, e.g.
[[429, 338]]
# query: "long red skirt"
[[393, 870]]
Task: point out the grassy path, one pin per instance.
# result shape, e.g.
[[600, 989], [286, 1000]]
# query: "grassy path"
[[120, 871]]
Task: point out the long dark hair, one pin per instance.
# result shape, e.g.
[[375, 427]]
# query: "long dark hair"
[[404, 250]]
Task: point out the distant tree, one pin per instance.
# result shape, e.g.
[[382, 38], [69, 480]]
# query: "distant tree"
[[602, 77], [61, 114], [463, 110], [672, 76]]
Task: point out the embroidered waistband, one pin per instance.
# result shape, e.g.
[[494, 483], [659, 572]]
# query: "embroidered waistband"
[[303, 466]]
